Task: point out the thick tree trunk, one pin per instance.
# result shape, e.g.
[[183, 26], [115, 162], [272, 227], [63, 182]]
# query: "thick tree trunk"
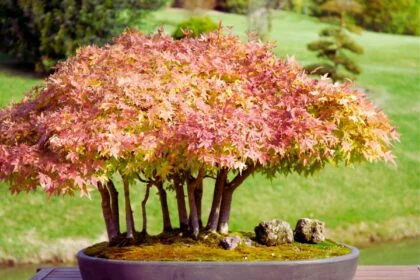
[[114, 205], [143, 208], [217, 200], [182, 209], [192, 184], [223, 225], [107, 212], [167, 226], [195, 227], [198, 197], [128, 210]]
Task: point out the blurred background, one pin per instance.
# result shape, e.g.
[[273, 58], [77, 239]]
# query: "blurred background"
[[376, 43]]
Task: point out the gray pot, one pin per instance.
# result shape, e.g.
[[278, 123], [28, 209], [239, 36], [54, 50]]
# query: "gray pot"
[[335, 268]]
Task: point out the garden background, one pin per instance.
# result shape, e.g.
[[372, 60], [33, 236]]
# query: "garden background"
[[373, 206]]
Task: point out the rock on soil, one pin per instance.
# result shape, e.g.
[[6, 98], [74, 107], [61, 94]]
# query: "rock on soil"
[[274, 232], [309, 231], [231, 242]]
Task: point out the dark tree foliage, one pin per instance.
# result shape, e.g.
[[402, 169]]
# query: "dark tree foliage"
[[391, 16], [233, 6], [152, 4], [335, 42], [43, 32]]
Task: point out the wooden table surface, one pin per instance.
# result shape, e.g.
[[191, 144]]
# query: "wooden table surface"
[[362, 273]]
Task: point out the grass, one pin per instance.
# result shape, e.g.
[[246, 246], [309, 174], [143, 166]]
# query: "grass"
[[12, 87], [369, 202]]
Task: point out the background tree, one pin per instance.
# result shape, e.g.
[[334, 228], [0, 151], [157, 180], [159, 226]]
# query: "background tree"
[[44, 32], [195, 26], [335, 41], [391, 16], [259, 17], [233, 6]]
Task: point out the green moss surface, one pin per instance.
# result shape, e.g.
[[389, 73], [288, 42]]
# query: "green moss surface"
[[176, 248]]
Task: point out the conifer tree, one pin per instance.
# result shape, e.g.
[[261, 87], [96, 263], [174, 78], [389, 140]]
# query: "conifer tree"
[[336, 42]]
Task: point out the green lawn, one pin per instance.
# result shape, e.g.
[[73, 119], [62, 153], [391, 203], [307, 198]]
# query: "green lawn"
[[367, 202]]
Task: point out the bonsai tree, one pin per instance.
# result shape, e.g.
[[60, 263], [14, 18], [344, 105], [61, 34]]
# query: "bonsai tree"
[[335, 41], [170, 113]]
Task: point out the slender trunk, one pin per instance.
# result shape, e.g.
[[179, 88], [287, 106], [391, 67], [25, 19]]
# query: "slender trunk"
[[143, 208], [223, 225], [128, 211], [114, 205], [217, 200], [198, 197], [107, 212], [182, 209], [167, 226], [192, 184], [195, 228]]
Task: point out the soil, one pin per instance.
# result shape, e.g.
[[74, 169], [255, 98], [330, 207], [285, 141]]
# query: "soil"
[[173, 247]]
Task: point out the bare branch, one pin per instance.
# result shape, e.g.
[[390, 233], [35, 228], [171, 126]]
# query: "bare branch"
[[142, 180], [240, 177]]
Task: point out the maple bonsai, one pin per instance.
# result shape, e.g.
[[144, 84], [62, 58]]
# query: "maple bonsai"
[[173, 112]]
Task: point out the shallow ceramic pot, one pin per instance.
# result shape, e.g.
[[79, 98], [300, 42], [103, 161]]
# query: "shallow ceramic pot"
[[335, 268]]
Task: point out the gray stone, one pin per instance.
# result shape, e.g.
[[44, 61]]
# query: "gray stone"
[[247, 242], [230, 242], [309, 231], [274, 232]]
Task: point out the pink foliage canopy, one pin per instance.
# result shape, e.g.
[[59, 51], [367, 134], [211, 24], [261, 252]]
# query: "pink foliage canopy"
[[151, 105]]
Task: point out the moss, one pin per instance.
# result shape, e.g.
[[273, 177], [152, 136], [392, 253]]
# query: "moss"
[[175, 248]]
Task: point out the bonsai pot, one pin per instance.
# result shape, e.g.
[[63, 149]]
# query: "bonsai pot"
[[342, 267]]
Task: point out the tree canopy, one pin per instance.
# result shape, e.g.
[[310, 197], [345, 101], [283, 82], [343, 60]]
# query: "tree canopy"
[[175, 111]]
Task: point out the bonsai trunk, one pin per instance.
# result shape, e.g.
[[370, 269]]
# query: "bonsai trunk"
[[107, 212], [182, 209], [143, 208], [217, 200], [114, 205], [223, 225], [195, 227], [167, 226], [198, 197], [128, 211], [192, 184]]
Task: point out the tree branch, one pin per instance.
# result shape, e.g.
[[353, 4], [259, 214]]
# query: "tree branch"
[[143, 180], [240, 177]]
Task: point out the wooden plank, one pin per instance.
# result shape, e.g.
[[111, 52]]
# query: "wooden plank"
[[362, 273], [387, 267], [58, 273], [387, 273], [65, 273], [42, 273]]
